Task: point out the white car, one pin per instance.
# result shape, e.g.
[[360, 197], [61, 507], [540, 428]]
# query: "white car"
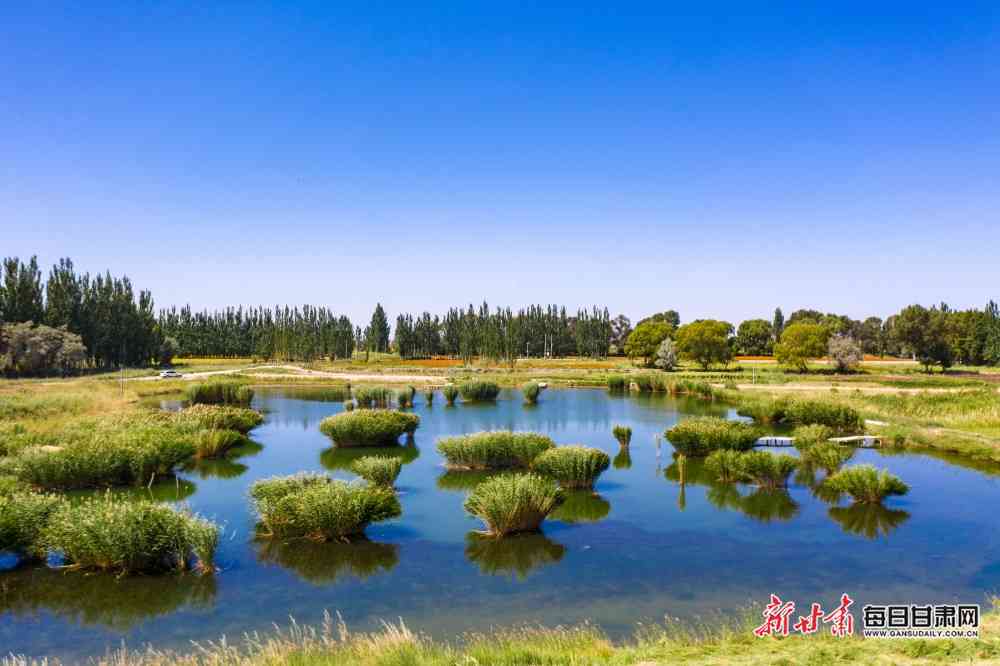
[[170, 374]]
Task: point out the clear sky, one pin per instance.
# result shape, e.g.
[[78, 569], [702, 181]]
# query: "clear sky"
[[715, 158]]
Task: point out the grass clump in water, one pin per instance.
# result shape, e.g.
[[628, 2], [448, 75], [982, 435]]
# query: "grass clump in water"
[[498, 449], [827, 455], [219, 393], [221, 417], [429, 396], [572, 466], [216, 443], [130, 536], [866, 484], [809, 435], [380, 470], [531, 391], [373, 397], [724, 465], [23, 516], [450, 392], [513, 503], [617, 384], [623, 434], [767, 470], [404, 397], [319, 508], [369, 427], [701, 435], [840, 418], [478, 391]]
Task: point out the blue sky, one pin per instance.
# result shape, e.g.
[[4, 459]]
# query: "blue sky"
[[718, 160]]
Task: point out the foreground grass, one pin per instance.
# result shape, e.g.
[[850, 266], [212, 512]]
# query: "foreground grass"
[[395, 645]]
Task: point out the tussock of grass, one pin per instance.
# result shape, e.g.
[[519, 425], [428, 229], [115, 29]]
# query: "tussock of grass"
[[866, 484], [763, 468], [380, 470], [724, 465], [216, 443], [219, 393], [617, 383], [317, 507], [498, 449], [810, 435], [23, 516], [841, 418], [513, 503], [368, 427], [701, 435], [129, 536], [478, 391], [623, 434], [572, 466], [429, 396], [373, 397], [531, 391], [450, 392], [221, 417], [827, 455]]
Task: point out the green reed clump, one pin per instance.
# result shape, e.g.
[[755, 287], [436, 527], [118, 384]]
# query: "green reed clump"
[[725, 465], [827, 455], [765, 469], [815, 412], [368, 427], [531, 391], [221, 417], [623, 434], [498, 449], [110, 533], [316, 507], [380, 470], [23, 516], [866, 484], [219, 393], [645, 382], [450, 392], [617, 383], [429, 396], [810, 435], [216, 443], [692, 387], [572, 466], [763, 410], [404, 397], [700, 436], [348, 405], [513, 503], [373, 397], [478, 391]]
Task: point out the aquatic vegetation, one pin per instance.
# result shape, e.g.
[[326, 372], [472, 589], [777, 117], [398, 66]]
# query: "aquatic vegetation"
[[478, 391], [763, 410], [531, 390], [497, 449], [516, 555], [450, 392], [581, 506], [368, 427], [373, 397], [808, 435], [700, 436], [216, 443], [866, 484], [645, 382], [513, 503], [768, 505], [317, 507], [220, 417], [323, 563], [828, 455], [380, 470], [404, 397], [348, 405], [867, 519], [109, 533], [623, 459], [344, 457], [429, 396], [725, 465], [572, 466], [765, 469], [839, 417], [219, 393], [23, 516], [617, 383], [623, 434]]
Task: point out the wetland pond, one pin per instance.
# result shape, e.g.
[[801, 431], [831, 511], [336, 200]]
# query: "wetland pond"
[[643, 546]]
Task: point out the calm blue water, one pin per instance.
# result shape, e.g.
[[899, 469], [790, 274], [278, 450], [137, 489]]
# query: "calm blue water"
[[645, 546]]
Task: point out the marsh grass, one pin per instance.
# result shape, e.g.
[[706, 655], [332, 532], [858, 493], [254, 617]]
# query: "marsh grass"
[[531, 391], [429, 396], [513, 503], [767, 470], [700, 436], [348, 405], [219, 393], [478, 391], [23, 516], [724, 465], [810, 435], [866, 484], [617, 383], [319, 508], [217, 443], [126, 536], [498, 449], [623, 434], [369, 427], [220, 417], [450, 392], [572, 466], [827, 455], [841, 418], [380, 470], [373, 397]]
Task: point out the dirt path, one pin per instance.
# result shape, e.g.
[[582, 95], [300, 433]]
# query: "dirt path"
[[843, 388], [296, 371]]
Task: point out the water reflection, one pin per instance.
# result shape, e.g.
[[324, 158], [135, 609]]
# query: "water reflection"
[[868, 520], [762, 505], [581, 506], [324, 563], [173, 489], [342, 457], [102, 599], [769, 505], [463, 480], [226, 467], [514, 556], [624, 458]]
